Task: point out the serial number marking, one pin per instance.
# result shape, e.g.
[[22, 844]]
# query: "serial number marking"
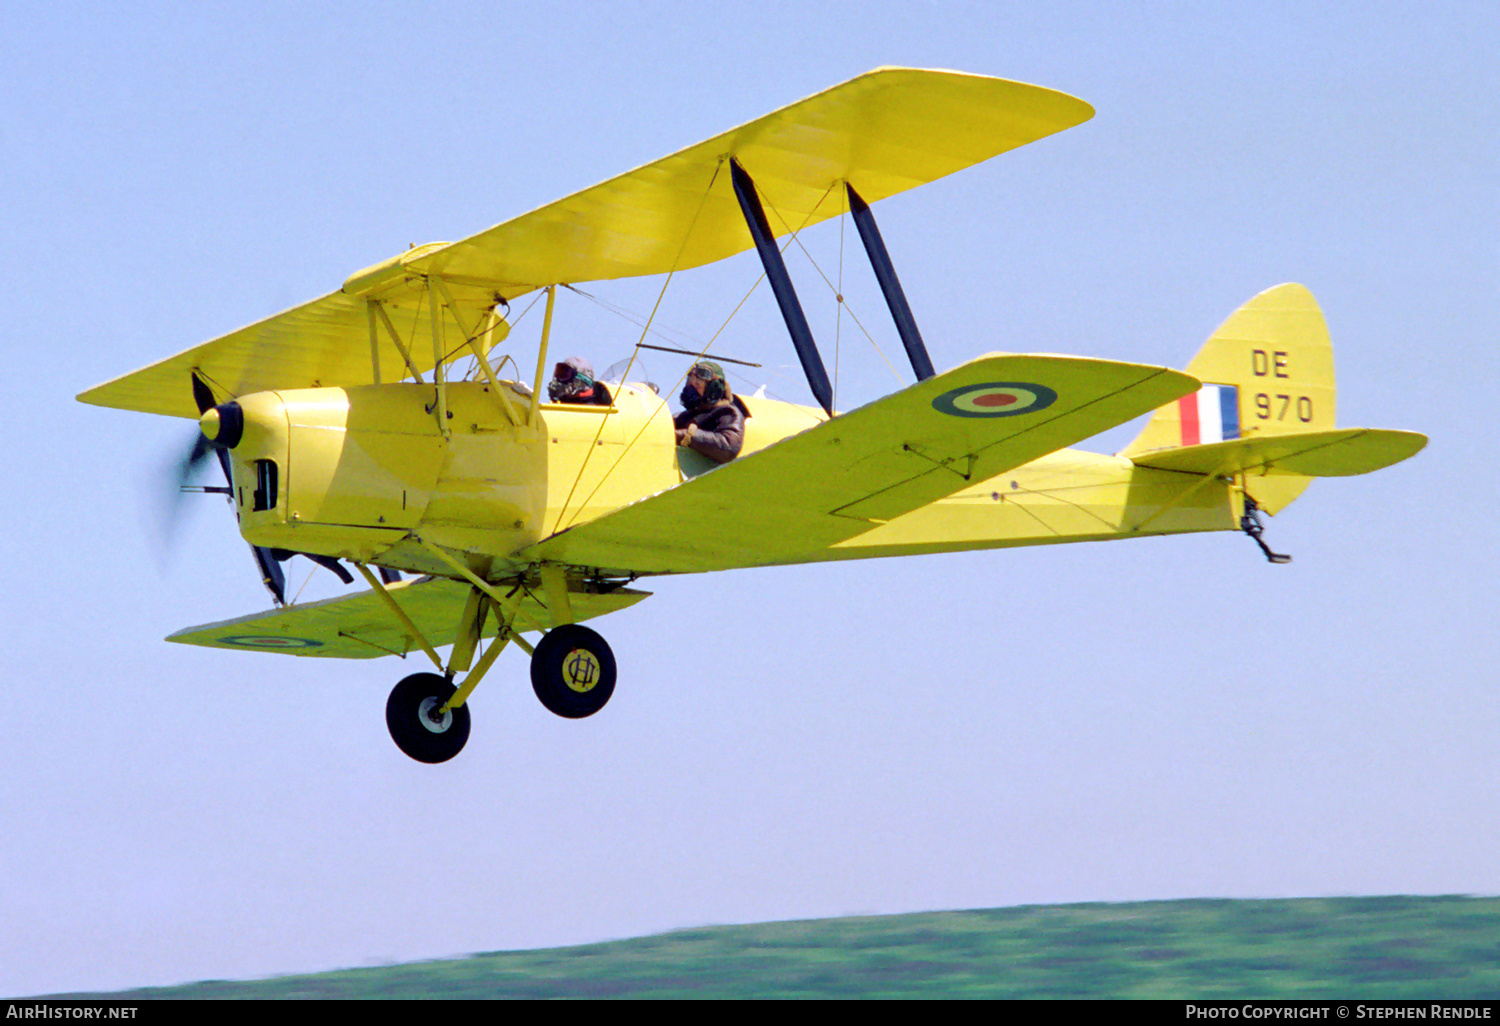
[[1274, 364], [1276, 407]]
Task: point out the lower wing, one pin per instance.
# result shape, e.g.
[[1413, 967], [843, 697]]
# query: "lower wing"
[[361, 626], [863, 468]]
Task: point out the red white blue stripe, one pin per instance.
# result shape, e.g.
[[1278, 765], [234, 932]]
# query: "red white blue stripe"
[[1212, 414]]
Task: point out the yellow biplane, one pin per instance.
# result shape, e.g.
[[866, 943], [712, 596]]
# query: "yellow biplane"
[[347, 432]]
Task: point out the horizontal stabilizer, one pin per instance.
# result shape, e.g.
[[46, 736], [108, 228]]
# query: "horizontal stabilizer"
[[1342, 452], [792, 500], [361, 626]]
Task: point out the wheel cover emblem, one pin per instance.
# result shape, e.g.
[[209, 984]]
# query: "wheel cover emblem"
[[581, 670]]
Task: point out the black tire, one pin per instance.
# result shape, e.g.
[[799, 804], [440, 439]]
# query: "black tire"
[[414, 732], [573, 671]]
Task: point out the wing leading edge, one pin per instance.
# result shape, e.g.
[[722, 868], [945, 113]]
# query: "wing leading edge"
[[792, 500]]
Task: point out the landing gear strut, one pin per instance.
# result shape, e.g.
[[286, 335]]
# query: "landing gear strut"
[[417, 723], [572, 668], [572, 673]]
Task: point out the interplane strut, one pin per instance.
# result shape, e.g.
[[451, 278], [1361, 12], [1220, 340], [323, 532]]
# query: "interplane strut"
[[781, 285]]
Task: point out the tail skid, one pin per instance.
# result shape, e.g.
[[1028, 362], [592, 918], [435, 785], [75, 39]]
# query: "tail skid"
[[1251, 525]]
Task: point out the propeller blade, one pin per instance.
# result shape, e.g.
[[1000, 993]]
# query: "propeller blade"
[[194, 458], [270, 573], [203, 396], [181, 473]]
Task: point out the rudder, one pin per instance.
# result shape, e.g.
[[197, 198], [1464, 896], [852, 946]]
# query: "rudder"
[[1267, 370]]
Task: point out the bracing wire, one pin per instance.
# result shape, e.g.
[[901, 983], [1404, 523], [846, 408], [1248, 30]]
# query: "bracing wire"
[[707, 346], [838, 321], [295, 597], [583, 465], [838, 291]]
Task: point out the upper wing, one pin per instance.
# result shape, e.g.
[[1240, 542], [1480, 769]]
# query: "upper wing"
[[324, 342], [359, 626], [793, 499], [1340, 452], [885, 131]]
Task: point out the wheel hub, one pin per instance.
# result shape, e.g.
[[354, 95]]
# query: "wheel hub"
[[429, 717]]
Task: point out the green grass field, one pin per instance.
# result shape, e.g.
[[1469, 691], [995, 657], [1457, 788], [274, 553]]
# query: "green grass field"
[[1366, 948]]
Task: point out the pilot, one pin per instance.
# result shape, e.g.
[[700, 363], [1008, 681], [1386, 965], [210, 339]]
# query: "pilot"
[[712, 421], [573, 382]]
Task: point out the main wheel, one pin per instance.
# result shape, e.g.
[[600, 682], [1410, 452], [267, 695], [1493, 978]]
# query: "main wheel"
[[573, 671], [411, 714]]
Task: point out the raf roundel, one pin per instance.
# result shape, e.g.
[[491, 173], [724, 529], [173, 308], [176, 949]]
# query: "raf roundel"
[[994, 399], [270, 641]]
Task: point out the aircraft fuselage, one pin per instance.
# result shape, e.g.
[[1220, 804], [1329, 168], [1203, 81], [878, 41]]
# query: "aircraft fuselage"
[[360, 473]]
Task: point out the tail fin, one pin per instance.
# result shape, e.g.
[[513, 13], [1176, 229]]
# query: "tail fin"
[[1267, 370]]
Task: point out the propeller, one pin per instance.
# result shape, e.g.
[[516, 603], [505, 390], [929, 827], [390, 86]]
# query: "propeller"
[[184, 471], [267, 560]]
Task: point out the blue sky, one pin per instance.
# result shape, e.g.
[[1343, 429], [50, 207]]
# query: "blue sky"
[[1155, 719]]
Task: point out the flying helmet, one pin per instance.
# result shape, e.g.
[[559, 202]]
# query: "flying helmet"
[[570, 378], [715, 387]]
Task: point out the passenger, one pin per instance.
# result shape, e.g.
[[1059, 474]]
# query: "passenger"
[[712, 421], [573, 382]]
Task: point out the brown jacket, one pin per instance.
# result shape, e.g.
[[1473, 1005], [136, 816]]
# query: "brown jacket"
[[717, 430]]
